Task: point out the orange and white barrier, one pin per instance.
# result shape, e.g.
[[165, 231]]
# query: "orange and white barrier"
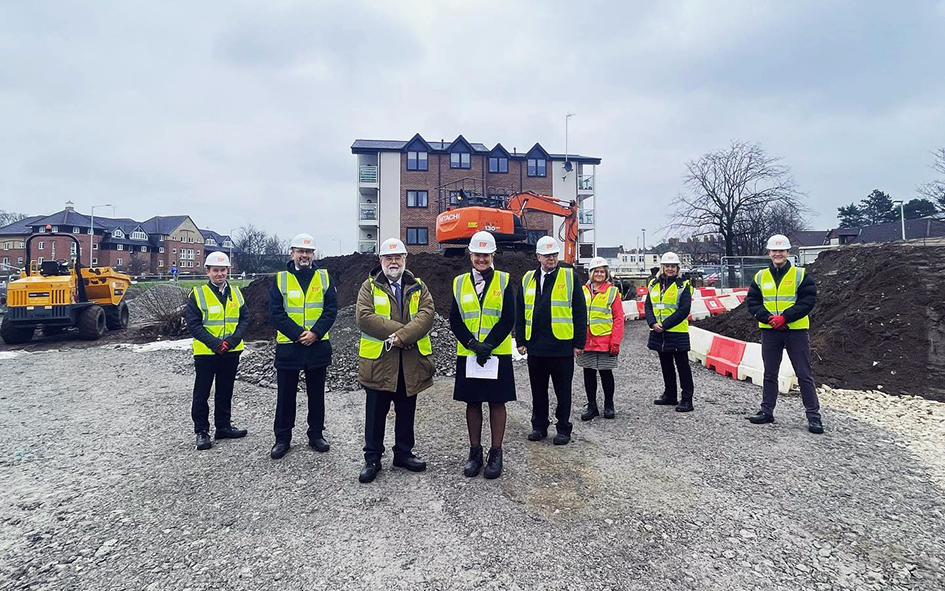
[[752, 368], [700, 342], [630, 311], [725, 355]]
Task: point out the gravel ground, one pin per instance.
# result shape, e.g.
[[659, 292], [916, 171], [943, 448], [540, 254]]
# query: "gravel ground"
[[103, 490]]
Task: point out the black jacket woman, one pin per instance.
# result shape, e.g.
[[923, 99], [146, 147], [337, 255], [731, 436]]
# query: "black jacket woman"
[[482, 316], [668, 302]]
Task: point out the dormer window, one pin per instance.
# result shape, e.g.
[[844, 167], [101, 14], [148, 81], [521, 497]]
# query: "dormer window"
[[498, 164], [227, 243], [137, 235], [536, 167], [417, 161], [459, 160], [117, 233]]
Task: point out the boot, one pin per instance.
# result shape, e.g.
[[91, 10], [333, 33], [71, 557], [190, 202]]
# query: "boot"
[[666, 400], [203, 440], [684, 406], [609, 412], [474, 463], [590, 412], [494, 467]]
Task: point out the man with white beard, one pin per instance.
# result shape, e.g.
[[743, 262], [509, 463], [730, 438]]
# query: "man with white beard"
[[395, 315]]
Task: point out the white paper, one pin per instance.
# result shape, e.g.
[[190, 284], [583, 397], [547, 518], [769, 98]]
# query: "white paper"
[[489, 371]]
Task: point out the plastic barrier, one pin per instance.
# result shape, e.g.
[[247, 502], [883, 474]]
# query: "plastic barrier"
[[714, 306], [730, 301], [725, 355], [741, 296], [642, 290], [641, 310], [630, 310], [706, 292], [700, 341], [699, 310], [752, 368]]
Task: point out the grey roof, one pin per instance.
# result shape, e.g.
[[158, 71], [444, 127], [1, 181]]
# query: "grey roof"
[[66, 217], [23, 226], [163, 224], [609, 252], [215, 235], [926, 227], [809, 238], [397, 145], [378, 145]]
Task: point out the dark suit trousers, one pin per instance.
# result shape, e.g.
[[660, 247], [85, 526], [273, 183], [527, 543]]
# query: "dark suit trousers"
[[223, 369], [288, 382], [797, 343], [377, 405], [561, 372]]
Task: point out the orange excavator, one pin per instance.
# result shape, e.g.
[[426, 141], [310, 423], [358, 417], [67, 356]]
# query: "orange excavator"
[[456, 225]]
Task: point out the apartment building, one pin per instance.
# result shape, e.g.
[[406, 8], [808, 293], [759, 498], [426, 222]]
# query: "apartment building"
[[403, 185]]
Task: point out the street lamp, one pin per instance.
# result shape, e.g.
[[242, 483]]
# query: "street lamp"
[[902, 216], [92, 231]]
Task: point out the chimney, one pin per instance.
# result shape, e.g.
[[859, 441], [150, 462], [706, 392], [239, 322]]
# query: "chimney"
[[69, 206]]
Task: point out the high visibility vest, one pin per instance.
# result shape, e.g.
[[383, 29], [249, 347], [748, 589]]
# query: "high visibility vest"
[[779, 297], [303, 308], [562, 325], [478, 320], [370, 347], [219, 320], [600, 315], [665, 303]]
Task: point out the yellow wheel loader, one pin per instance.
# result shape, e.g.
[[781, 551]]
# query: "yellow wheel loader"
[[60, 294]]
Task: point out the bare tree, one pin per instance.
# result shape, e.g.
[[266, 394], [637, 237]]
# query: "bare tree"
[[258, 251], [138, 264], [739, 193], [935, 190], [8, 217]]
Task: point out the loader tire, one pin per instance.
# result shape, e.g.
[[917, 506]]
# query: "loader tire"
[[15, 335], [116, 317], [92, 323]]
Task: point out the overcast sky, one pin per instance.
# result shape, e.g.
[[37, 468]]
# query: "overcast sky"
[[236, 112]]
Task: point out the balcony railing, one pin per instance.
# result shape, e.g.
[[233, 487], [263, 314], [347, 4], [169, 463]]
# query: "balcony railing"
[[586, 216], [368, 246], [585, 182], [367, 174], [368, 212]]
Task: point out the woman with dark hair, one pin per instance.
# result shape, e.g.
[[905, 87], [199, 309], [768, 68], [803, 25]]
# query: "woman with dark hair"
[[668, 302]]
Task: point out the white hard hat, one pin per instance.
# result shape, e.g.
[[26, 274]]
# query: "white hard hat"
[[779, 242], [217, 259], [482, 242], [547, 245], [303, 241], [597, 262], [670, 258], [393, 246]]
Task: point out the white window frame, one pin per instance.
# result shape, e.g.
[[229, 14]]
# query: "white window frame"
[[41, 245], [161, 249], [120, 247], [95, 261], [119, 262], [39, 260], [76, 230], [160, 263], [144, 249], [55, 228], [117, 233]]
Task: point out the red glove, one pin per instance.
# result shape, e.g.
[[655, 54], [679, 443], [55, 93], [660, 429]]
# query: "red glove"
[[776, 322], [223, 348], [614, 349]]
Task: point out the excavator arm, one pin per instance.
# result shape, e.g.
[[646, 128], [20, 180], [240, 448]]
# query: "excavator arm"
[[528, 201]]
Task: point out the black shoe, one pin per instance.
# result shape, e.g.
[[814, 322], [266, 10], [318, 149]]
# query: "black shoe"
[[229, 432], [494, 467], [813, 425], [410, 463], [537, 435], [474, 463], [369, 472], [319, 444], [684, 406], [561, 439], [761, 417], [666, 400], [278, 450], [203, 440], [589, 413], [609, 412]]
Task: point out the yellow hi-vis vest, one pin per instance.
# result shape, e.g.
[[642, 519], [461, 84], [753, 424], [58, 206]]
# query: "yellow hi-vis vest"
[[600, 316], [371, 348], [780, 297], [478, 320], [303, 308], [219, 320], [666, 303], [562, 325]]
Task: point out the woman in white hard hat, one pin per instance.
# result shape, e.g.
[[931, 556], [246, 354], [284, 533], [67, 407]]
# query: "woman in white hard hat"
[[482, 316], [668, 302], [604, 333]]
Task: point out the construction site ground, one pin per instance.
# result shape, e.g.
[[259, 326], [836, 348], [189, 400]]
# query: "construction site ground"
[[102, 489]]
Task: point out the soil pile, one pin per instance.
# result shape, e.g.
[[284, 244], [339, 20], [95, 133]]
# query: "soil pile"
[[879, 321]]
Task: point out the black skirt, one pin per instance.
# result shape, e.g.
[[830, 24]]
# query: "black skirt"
[[476, 390]]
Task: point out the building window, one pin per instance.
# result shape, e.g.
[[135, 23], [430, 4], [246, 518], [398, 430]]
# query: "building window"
[[459, 160], [416, 161], [41, 246], [55, 228], [416, 236], [121, 247], [454, 198], [39, 260], [175, 250], [7, 245], [21, 245], [139, 236], [144, 249], [72, 248], [119, 262], [227, 243], [418, 199], [500, 164], [118, 233], [6, 260], [95, 246], [19, 260], [94, 261], [536, 167], [161, 249], [76, 231], [160, 263]]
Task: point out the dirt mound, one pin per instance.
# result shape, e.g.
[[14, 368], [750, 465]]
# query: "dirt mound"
[[879, 321]]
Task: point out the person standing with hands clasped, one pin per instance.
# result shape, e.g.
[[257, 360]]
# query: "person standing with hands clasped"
[[302, 307], [482, 316], [217, 318], [668, 302], [551, 321], [781, 298], [604, 333]]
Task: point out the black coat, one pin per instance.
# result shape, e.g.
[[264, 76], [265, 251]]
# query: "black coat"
[[502, 329], [806, 297], [194, 318], [543, 342], [295, 356], [669, 342]]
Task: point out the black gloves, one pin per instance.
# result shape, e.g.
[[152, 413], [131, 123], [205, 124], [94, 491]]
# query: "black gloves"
[[483, 352]]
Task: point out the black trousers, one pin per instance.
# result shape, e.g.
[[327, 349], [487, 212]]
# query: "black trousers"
[[376, 407], [288, 382], [221, 368], [681, 361], [561, 372], [797, 343]]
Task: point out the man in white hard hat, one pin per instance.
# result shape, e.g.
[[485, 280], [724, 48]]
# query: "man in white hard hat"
[[395, 315], [303, 305], [217, 318], [781, 298], [550, 325]]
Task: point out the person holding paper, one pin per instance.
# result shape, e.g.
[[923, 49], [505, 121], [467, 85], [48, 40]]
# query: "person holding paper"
[[482, 316]]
